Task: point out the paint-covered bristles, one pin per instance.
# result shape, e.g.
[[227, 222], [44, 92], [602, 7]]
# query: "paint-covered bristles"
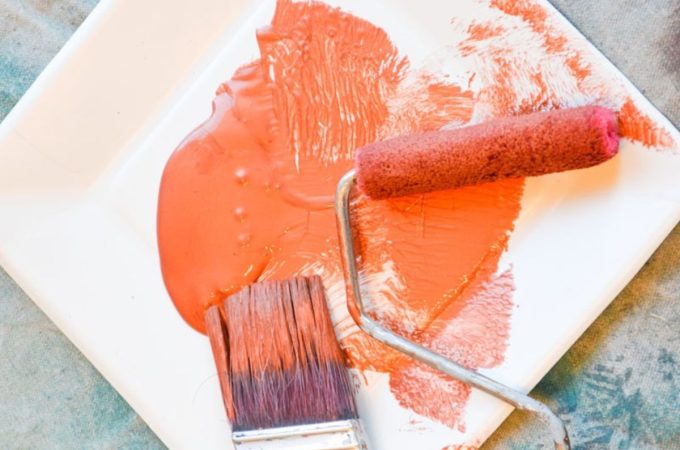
[[278, 359]]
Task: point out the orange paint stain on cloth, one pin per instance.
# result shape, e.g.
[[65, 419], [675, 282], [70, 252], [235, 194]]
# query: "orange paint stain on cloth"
[[247, 196]]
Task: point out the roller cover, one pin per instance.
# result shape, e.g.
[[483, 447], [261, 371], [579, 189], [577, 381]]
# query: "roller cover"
[[511, 147]]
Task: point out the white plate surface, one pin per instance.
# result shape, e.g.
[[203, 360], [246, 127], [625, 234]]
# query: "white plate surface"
[[80, 161]]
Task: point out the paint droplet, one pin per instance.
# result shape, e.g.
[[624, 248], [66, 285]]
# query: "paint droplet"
[[240, 214], [244, 238], [241, 176]]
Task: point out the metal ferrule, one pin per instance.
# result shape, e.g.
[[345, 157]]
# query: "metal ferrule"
[[339, 435]]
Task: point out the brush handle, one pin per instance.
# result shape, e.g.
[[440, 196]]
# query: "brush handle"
[[510, 147]]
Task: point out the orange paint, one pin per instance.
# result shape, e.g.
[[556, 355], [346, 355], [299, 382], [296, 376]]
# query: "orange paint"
[[638, 126], [426, 103], [469, 331], [247, 196], [486, 30], [536, 16], [442, 246], [578, 68], [514, 79], [530, 11], [312, 58], [215, 190]]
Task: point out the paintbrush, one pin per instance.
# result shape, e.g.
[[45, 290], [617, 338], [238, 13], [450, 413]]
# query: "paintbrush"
[[282, 373]]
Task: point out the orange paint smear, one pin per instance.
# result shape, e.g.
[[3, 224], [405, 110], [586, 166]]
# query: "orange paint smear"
[[638, 126], [528, 10], [482, 31], [247, 197], [468, 331], [512, 83], [578, 68], [536, 16], [470, 222]]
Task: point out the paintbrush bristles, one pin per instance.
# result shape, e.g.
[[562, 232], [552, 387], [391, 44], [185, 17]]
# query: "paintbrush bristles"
[[217, 333], [283, 363]]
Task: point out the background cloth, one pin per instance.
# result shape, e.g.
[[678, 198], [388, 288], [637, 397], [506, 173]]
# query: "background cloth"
[[617, 388]]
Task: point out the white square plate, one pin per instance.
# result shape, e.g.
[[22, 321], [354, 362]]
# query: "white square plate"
[[80, 162]]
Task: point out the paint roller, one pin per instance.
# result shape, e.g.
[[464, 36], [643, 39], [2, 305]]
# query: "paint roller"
[[513, 147]]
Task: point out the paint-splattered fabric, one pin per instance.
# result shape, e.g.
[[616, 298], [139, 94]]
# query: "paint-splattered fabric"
[[618, 387]]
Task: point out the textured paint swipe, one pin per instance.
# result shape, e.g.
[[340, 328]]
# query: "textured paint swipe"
[[520, 62], [469, 331], [247, 197], [638, 126]]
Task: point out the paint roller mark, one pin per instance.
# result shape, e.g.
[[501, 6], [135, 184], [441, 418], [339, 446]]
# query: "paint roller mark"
[[638, 126], [523, 62], [578, 67], [485, 30], [536, 16], [323, 113], [424, 102], [472, 330]]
